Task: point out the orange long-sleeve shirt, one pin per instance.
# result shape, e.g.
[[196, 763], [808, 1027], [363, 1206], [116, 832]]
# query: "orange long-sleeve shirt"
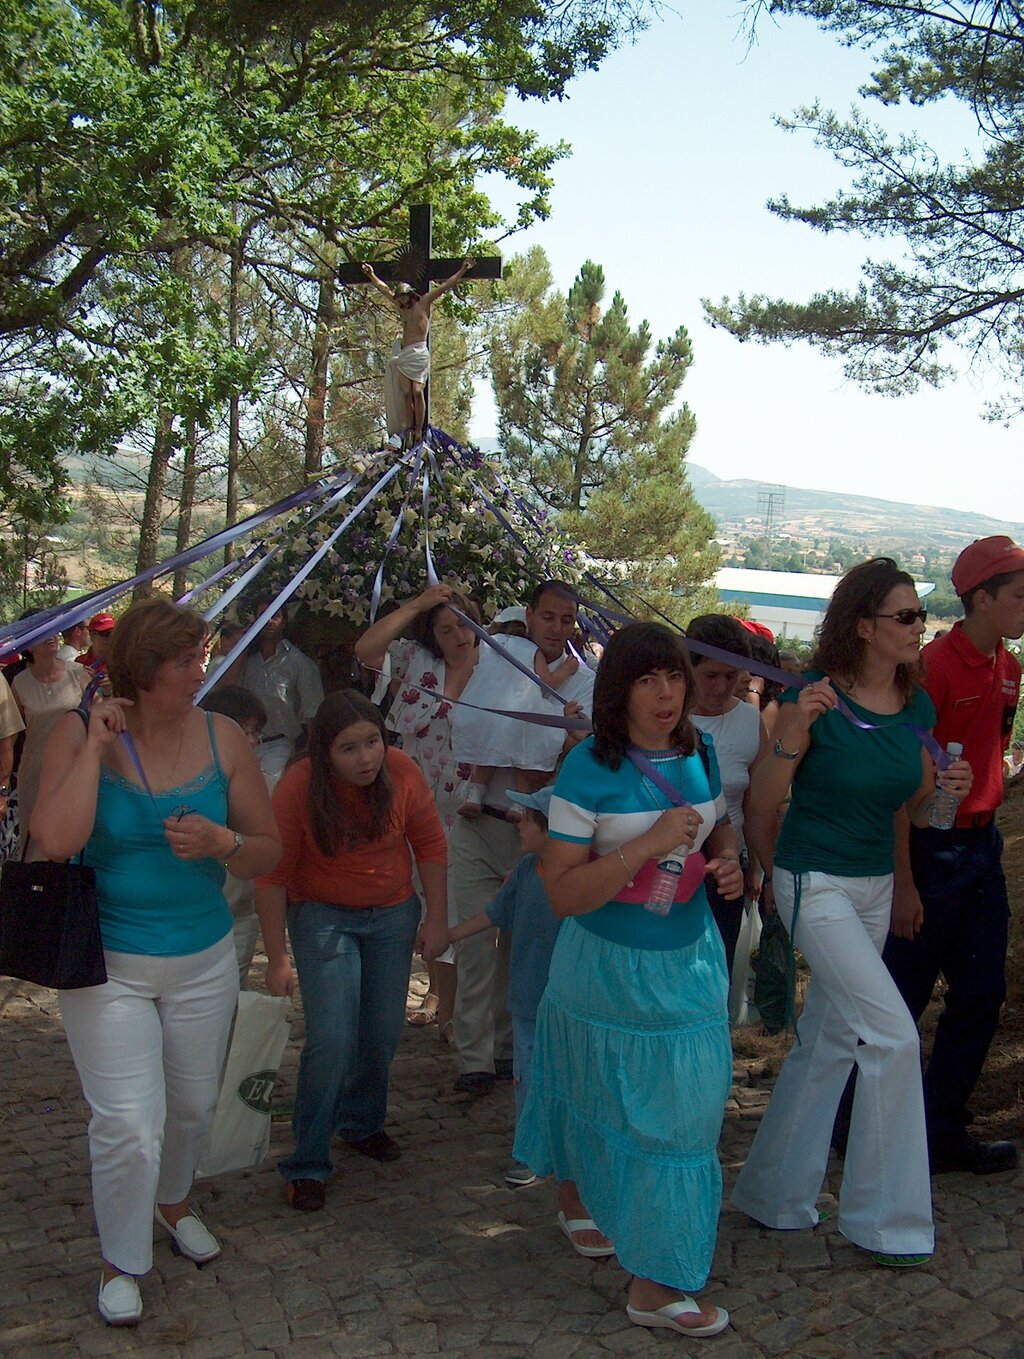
[[376, 873]]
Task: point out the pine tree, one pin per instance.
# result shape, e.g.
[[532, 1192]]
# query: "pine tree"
[[586, 418]]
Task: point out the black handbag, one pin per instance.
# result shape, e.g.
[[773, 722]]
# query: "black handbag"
[[50, 925], [50, 921]]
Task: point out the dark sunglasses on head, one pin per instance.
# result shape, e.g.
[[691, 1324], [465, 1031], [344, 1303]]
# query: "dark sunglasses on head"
[[906, 616]]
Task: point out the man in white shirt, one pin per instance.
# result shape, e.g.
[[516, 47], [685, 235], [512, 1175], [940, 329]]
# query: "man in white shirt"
[[289, 685]]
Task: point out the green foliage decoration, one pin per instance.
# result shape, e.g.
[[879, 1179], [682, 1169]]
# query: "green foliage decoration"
[[471, 549]]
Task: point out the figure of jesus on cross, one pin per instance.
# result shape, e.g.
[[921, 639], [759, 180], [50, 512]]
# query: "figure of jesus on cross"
[[409, 369], [406, 283]]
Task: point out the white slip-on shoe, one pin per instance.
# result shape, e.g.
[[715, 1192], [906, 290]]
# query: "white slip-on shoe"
[[669, 1315], [190, 1238], [119, 1301]]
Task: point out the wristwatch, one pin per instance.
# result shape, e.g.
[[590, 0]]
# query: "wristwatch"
[[239, 842], [778, 749]]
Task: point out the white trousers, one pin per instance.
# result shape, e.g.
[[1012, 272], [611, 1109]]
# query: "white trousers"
[[149, 1046], [853, 1013]]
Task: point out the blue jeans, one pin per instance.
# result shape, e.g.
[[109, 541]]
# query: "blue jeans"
[[353, 967], [524, 1034]]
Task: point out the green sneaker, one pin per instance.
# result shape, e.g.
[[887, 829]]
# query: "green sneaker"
[[898, 1261], [519, 1176]]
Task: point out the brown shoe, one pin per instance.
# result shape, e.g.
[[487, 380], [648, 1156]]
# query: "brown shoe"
[[308, 1196], [379, 1146]]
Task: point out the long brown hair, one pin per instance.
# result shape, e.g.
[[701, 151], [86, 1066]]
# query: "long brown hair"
[[336, 712], [860, 594]]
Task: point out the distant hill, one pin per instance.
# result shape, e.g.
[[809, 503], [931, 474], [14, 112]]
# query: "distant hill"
[[885, 523], [733, 505]]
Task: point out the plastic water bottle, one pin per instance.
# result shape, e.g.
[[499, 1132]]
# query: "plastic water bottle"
[[942, 815], [662, 891]]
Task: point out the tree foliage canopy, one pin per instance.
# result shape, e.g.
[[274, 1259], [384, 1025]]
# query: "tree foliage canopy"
[[586, 417], [178, 181], [958, 272]]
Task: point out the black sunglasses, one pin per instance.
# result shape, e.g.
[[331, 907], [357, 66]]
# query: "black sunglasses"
[[906, 616]]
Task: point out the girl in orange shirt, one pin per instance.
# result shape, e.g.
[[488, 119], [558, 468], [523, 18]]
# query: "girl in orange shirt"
[[352, 815]]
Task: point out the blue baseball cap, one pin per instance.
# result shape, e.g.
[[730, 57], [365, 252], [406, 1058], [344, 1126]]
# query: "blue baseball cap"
[[540, 801]]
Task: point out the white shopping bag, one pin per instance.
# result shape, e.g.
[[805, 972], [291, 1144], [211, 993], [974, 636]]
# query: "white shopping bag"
[[240, 1135], [742, 1010]]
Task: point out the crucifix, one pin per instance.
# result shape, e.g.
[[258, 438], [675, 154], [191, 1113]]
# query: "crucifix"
[[410, 277]]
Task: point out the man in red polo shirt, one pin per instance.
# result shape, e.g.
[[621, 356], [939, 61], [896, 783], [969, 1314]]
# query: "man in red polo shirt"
[[955, 923]]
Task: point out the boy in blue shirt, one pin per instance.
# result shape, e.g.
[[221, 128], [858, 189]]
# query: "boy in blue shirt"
[[521, 908]]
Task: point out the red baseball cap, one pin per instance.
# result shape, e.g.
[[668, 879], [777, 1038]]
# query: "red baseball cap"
[[102, 622], [985, 558], [758, 629]]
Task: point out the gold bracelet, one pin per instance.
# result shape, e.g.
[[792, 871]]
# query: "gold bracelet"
[[629, 871]]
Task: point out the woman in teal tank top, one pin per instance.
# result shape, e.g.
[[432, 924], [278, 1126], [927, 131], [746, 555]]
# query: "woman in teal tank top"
[[159, 798], [851, 773]]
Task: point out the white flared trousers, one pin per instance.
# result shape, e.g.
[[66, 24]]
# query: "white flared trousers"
[[853, 1013], [149, 1046]]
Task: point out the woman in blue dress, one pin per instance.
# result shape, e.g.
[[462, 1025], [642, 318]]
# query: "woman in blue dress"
[[632, 1064]]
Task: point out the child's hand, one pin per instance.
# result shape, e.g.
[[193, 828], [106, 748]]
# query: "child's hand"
[[432, 940], [573, 738]]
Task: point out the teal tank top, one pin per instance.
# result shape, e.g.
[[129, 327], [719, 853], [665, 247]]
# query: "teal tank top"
[[149, 901]]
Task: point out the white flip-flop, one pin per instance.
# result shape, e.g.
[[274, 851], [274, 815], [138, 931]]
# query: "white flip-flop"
[[584, 1224], [667, 1316]]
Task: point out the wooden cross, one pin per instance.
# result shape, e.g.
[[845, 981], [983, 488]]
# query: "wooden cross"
[[416, 265]]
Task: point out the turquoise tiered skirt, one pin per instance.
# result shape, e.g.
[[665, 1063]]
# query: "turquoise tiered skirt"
[[631, 1070]]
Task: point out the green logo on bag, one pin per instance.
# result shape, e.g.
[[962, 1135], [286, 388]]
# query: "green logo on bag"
[[256, 1090]]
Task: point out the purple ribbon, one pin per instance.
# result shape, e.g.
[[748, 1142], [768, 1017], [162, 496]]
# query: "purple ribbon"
[[396, 528], [61, 617], [287, 590], [520, 715]]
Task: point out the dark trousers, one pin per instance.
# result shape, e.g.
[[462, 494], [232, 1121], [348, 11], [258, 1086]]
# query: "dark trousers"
[[728, 917], [960, 879]]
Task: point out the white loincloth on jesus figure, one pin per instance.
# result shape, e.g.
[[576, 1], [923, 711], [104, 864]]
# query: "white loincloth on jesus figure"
[[481, 738], [413, 363]]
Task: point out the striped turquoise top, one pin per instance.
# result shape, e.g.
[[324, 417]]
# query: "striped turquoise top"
[[605, 808]]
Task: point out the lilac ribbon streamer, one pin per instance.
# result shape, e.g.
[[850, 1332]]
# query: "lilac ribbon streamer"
[[345, 483], [432, 576], [485, 636], [62, 617], [650, 771], [396, 528], [287, 590], [520, 715]]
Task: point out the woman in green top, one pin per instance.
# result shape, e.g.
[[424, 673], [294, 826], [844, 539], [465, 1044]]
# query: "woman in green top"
[[832, 875]]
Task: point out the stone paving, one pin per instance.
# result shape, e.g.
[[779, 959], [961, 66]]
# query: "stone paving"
[[433, 1255]]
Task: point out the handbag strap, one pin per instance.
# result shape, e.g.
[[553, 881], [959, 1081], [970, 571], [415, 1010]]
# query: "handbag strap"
[[83, 713], [649, 771]]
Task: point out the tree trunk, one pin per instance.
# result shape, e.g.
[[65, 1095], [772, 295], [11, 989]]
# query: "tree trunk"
[[234, 404], [149, 530], [316, 400], [189, 476]]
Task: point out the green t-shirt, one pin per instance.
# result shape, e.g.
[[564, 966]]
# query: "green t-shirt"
[[847, 787]]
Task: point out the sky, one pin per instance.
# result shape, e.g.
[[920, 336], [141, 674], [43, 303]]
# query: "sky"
[[675, 153]]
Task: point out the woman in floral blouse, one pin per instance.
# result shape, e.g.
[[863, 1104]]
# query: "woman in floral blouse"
[[430, 648]]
